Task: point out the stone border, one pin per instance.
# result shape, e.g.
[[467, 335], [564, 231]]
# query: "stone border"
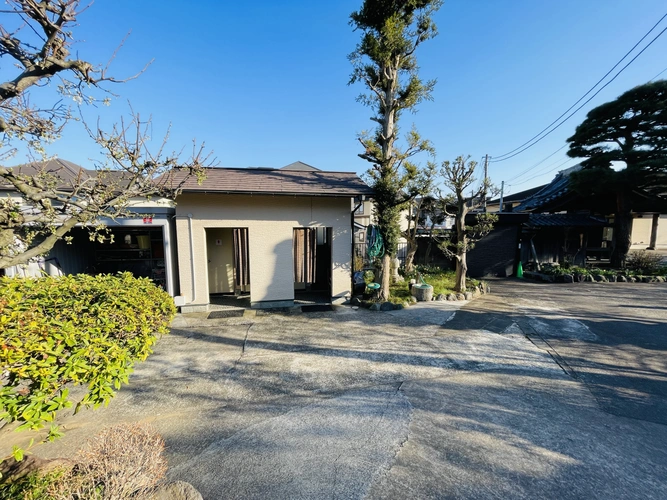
[[473, 293], [592, 278]]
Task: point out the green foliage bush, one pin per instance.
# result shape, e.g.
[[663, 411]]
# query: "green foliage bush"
[[73, 329]]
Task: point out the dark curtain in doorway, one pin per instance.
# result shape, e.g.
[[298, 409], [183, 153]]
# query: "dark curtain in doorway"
[[305, 245], [241, 257]]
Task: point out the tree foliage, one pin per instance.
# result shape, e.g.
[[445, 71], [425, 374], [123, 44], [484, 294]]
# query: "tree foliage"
[[458, 176], [384, 62], [630, 130], [37, 37]]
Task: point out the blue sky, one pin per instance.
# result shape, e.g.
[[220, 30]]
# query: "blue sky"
[[264, 83]]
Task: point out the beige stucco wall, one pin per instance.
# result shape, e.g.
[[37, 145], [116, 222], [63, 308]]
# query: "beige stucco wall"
[[270, 221], [641, 232]]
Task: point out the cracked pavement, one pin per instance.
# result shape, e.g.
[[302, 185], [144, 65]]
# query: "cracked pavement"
[[500, 397]]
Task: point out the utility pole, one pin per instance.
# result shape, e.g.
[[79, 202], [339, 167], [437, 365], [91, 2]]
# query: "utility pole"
[[502, 191], [486, 177]]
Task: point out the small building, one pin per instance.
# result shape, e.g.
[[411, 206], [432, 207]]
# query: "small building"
[[143, 245], [277, 235]]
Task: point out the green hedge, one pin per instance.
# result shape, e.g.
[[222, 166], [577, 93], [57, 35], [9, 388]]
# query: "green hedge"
[[73, 329]]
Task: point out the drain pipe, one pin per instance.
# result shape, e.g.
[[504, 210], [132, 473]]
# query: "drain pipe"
[[192, 260]]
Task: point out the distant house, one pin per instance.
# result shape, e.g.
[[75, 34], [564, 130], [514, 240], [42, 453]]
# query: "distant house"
[[553, 223], [276, 234], [512, 200]]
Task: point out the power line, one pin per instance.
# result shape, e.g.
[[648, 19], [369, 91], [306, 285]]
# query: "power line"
[[543, 173], [537, 164], [530, 143], [656, 76]]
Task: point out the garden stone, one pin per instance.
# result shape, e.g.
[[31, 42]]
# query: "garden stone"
[[612, 279], [660, 279], [387, 306], [599, 278], [375, 306], [622, 279], [398, 307], [460, 296], [468, 296], [178, 490], [487, 288], [646, 279], [355, 301], [441, 296], [451, 296], [632, 279], [423, 293], [588, 278], [568, 278], [413, 299]]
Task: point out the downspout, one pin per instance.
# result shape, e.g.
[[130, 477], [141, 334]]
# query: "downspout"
[[192, 260]]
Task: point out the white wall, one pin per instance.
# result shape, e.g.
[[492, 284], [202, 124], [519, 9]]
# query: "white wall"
[[270, 221]]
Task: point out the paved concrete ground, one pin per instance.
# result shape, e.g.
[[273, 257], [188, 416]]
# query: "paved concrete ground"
[[435, 401]]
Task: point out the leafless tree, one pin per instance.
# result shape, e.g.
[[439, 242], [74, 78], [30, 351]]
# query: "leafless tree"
[[37, 37], [458, 177]]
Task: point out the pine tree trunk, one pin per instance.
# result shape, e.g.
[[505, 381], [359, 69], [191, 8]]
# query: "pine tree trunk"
[[622, 231], [385, 277]]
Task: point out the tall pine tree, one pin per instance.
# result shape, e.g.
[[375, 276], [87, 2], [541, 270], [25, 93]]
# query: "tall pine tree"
[[384, 61], [630, 130]]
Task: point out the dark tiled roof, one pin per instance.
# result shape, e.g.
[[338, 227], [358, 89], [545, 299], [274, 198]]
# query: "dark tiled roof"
[[564, 220], [552, 191], [299, 165], [520, 196], [66, 171], [270, 181]]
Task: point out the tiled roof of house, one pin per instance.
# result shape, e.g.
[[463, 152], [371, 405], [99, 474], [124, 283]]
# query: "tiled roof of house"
[[552, 191], [275, 181], [64, 170], [564, 220], [520, 196]]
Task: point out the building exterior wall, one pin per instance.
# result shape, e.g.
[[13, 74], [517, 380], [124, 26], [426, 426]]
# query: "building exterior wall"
[[270, 221], [641, 231]]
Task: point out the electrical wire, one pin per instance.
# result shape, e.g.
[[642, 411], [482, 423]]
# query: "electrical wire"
[[544, 173], [537, 164], [656, 76], [531, 142]]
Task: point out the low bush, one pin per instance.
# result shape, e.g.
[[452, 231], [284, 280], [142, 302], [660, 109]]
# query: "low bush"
[[122, 462], [73, 329], [644, 262]]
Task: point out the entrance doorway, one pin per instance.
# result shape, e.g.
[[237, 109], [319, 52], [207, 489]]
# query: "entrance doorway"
[[228, 262], [312, 264]]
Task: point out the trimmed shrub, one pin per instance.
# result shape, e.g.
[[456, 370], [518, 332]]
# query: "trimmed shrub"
[[73, 329], [122, 462], [645, 262]]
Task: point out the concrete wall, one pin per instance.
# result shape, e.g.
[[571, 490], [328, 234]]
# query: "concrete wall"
[[270, 221]]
